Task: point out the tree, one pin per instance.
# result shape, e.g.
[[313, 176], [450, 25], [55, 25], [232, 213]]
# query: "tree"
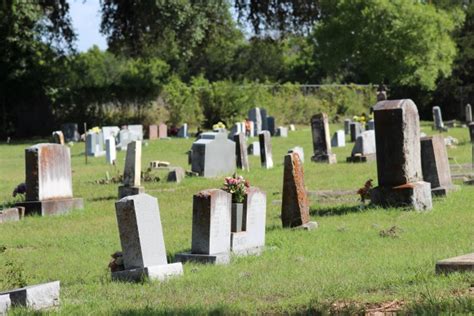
[[401, 42]]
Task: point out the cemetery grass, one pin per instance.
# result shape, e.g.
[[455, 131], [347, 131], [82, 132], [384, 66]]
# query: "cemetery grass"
[[345, 265]]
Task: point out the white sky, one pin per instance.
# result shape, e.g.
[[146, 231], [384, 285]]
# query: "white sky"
[[86, 21]]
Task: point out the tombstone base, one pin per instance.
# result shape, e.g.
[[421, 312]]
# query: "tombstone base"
[[51, 207], [443, 191], [36, 297], [4, 304], [10, 215], [463, 263], [330, 159], [416, 195], [124, 191], [308, 226], [361, 158], [96, 154], [239, 246], [159, 273], [219, 258]]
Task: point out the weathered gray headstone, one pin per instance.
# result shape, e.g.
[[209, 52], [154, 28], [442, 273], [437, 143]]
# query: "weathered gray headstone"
[[263, 113], [213, 155], [438, 123], [153, 132], [211, 228], [71, 132], [141, 237], [282, 131], [347, 126], [295, 204], [35, 297], [132, 171], [58, 137], [49, 180], [251, 239], [110, 131], [271, 127], [338, 139], [397, 135], [176, 174], [254, 149], [266, 157], [110, 151], [435, 165], [256, 117], [125, 137], [356, 130], [136, 131], [162, 131], [183, 131], [321, 139], [364, 148], [468, 111], [5, 304], [299, 150], [241, 157], [371, 125], [463, 263], [9, 215], [94, 144]]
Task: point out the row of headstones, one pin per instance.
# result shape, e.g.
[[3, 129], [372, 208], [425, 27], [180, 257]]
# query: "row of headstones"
[[280, 131], [260, 121], [440, 125]]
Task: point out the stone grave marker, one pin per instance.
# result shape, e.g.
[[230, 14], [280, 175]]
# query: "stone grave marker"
[[400, 177], [94, 144], [5, 304], [463, 263], [295, 204], [438, 123], [136, 131], [35, 297], [292, 127], [162, 131], [364, 148], [58, 137], [49, 181], [213, 155], [356, 130], [271, 127], [256, 117], [254, 149], [266, 158], [132, 171], [71, 132], [371, 125], [471, 132], [468, 111], [183, 131], [347, 126], [241, 157], [110, 131], [211, 228], [10, 215], [141, 237], [236, 129], [110, 151], [251, 240], [176, 174], [338, 139], [153, 132], [263, 113], [321, 139], [282, 131], [435, 165], [299, 150]]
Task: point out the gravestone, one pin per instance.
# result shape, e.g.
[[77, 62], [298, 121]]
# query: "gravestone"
[[282, 131], [5, 304], [400, 177], [183, 131], [251, 240], [295, 204], [463, 263], [292, 127], [71, 132], [110, 131], [58, 137], [371, 125], [338, 139], [263, 113], [435, 165], [125, 138], [9, 215], [110, 151], [468, 110], [364, 148], [152, 132], [266, 158], [256, 117], [321, 139], [176, 174], [136, 131], [271, 125], [162, 131], [347, 126], [35, 297], [236, 129], [211, 228], [299, 150], [471, 132], [252, 129], [213, 155], [141, 237], [94, 144], [49, 181], [241, 157], [438, 123], [254, 149], [356, 130], [132, 171]]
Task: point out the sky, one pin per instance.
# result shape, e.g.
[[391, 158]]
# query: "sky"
[[86, 22]]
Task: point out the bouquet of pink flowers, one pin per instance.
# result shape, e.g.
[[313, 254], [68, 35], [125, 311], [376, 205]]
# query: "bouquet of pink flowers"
[[237, 186]]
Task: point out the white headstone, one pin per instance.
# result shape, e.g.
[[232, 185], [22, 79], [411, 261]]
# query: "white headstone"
[[110, 150], [338, 139]]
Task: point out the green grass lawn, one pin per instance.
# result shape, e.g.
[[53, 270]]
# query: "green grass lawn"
[[345, 260]]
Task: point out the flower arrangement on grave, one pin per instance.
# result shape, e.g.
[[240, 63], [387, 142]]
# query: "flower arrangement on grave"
[[218, 125], [237, 186]]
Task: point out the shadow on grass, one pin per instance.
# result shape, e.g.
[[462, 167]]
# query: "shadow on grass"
[[221, 310], [337, 210], [104, 198]]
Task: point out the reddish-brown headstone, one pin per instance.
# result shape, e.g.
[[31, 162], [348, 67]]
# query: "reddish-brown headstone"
[[152, 132]]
